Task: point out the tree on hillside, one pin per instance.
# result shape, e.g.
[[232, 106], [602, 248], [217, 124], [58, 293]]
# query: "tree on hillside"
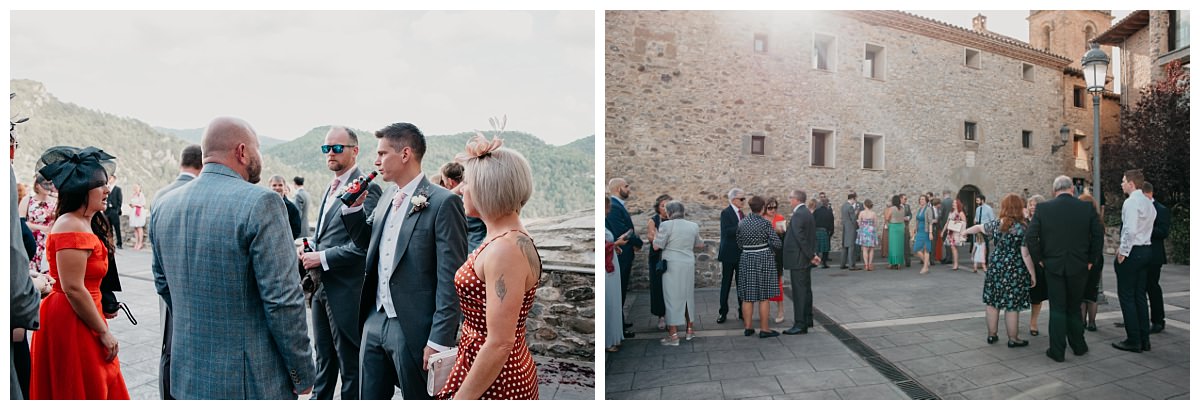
[[1155, 138]]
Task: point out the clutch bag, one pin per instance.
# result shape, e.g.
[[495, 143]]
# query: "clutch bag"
[[661, 267], [440, 365]]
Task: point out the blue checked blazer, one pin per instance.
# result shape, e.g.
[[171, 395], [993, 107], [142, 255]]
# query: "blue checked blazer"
[[225, 263]]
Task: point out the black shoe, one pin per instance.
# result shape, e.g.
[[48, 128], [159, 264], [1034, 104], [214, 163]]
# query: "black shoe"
[[1146, 347], [796, 330], [992, 339], [855, 268], [748, 332], [1119, 324], [1080, 352], [764, 335], [1156, 328], [1091, 327], [629, 335], [1021, 343], [1033, 332], [721, 319], [1128, 347], [1057, 358], [628, 325], [843, 266]]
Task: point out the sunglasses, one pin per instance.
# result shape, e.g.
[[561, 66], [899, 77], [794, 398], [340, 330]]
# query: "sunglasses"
[[337, 149], [740, 199], [772, 207]]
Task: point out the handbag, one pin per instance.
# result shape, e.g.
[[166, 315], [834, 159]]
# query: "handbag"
[[955, 226], [660, 267], [440, 365]]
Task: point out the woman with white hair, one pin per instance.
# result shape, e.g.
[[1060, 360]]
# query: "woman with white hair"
[[496, 285], [677, 237]]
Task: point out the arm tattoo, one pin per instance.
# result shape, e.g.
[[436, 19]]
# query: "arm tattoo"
[[501, 289], [527, 247]]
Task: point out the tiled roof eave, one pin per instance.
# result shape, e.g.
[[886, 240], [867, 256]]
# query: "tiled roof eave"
[[1123, 29]]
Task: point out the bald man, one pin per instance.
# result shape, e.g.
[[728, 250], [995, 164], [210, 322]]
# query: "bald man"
[[225, 265], [619, 222]]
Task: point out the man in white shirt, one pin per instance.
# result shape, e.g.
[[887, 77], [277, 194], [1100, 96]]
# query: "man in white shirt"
[[1133, 255]]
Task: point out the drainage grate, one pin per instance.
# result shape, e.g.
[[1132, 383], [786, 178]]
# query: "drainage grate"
[[914, 389]]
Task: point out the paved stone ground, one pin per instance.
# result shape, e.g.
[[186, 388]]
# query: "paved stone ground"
[[141, 345], [930, 327]]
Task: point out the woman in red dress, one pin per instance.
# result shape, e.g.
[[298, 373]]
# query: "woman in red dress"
[[74, 356], [776, 218], [497, 283]]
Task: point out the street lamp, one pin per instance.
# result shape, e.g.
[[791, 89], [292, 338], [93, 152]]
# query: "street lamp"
[[1063, 133], [1095, 69]]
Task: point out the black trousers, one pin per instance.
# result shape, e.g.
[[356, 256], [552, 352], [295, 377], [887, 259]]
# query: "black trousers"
[[164, 362], [1131, 291], [728, 272], [21, 362], [1155, 294], [115, 220], [1066, 320], [802, 300], [658, 306]]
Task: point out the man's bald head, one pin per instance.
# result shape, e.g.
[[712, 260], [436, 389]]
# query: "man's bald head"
[[223, 136], [232, 142], [615, 184]]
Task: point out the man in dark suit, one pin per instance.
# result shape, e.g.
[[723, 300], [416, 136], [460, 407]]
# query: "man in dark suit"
[[336, 338], [1158, 257], [620, 224], [944, 211], [729, 253], [190, 162], [850, 249], [408, 308], [799, 257], [824, 217], [1064, 236], [113, 210]]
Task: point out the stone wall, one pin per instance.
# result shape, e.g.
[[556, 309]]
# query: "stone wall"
[[686, 90], [561, 323]]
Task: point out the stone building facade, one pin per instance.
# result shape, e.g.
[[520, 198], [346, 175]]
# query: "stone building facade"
[[1149, 39], [879, 102]]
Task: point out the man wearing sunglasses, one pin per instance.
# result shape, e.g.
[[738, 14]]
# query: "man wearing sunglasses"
[[335, 302], [729, 252]]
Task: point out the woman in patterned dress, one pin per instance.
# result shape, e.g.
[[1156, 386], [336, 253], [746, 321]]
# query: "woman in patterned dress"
[[866, 237], [39, 213], [955, 239], [757, 277], [497, 284], [1010, 270]]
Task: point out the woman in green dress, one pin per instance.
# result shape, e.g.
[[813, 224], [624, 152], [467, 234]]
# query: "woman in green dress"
[[895, 231]]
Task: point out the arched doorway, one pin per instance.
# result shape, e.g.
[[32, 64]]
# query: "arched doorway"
[[967, 195]]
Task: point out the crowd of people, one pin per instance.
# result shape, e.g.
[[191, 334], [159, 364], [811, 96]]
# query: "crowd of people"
[[400, 302], [1032, 251]]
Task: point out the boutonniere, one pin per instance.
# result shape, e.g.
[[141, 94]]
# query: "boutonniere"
[[419, 201]]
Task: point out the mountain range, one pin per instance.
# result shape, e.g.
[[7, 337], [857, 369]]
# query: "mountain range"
[[149, 156]]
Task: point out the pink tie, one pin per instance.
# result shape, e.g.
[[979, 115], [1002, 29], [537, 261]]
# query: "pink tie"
[[334, 186], [398, 200]]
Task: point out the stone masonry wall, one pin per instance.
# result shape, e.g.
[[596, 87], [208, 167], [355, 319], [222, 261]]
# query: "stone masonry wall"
[[685, 90]]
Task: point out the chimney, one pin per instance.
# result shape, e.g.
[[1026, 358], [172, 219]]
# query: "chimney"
[[980, 23]]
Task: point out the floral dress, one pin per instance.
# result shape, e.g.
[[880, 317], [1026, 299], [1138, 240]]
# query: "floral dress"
[[866, 233], [1006, 284], [954, 238], [41, 213]]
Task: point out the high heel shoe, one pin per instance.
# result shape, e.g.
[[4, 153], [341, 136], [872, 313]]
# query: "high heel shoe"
[[992, 339], [1019, 343], [1033, 332]]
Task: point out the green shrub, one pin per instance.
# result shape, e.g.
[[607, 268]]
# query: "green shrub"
[[1177, 239]]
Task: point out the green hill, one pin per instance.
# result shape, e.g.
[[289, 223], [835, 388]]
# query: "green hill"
[[193, 135]]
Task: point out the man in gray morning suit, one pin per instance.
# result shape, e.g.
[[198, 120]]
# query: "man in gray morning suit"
[[799, 257], [415, 243], [225, 263], [335, 303], [849, 215], [24, 299], [301, 200], [191, 159]]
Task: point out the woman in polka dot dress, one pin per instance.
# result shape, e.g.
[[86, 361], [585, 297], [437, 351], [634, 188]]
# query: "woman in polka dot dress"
[[496, 285]]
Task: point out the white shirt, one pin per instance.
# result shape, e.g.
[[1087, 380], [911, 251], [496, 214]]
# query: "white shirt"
[[328, 202], [1137, 222]]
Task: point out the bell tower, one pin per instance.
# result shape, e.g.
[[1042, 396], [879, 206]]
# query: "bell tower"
[[1066, 32]]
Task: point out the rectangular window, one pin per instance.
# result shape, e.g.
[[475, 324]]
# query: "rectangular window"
[[969, 131], [760, 43], [1078, 96], [822, 148], [1081, 157], [1026, 139], [873, 62], [972, 58], [1027, 71], [824, 51], [872, 151], [1180, 29], [758, 145]]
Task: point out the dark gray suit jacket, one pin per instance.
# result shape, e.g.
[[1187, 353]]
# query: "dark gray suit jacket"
[[431, 247], [849, 224], [301, 200], [23, 298], [343, 281], [800, 243]]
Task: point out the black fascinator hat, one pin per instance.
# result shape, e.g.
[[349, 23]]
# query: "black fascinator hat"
[[76, 170]]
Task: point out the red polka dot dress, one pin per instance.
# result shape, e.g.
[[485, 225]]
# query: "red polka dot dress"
[[518, 378]]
